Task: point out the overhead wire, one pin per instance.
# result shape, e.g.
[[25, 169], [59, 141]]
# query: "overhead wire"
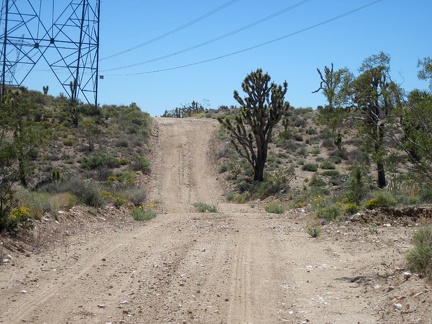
[[255, 46], [175, 30], [274, 15]]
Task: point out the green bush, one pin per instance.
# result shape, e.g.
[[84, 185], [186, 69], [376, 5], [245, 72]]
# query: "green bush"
[[316, 151], [243, 185], [137, 196], [329, 213], [142, 214], [37, 202], [330, 173], [426, 195], [69, 141], [420, 257], [311, 167], [372, 204], [317, 182], [223, 168], [302, 151], [141, 164], [314, 231], [327, 165], [203, 207], [381, 199], [350, 208], [122, 143], [90, 195], [298, 137], [122, 177], [98, 161], [274, 208], [87, 192]]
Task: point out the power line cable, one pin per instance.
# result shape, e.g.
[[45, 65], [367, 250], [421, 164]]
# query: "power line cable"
[[213, 39], [255, 46], [175, 30]]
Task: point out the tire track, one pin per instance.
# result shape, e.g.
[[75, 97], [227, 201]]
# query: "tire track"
[[181, 171], [255, 291]]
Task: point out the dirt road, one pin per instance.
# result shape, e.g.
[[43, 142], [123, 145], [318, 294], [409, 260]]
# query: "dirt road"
[[239, 265]]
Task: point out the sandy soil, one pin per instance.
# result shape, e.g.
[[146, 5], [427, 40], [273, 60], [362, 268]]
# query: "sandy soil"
[[239, 265]]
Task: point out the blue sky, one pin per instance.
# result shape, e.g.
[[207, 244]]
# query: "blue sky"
[[136, 35]]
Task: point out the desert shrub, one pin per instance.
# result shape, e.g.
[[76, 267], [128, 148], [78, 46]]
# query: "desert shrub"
[[328, 143], [87, 192], [317, 182], [98, 161], [238, 198], [412, 200], [314, 231], [69, 141], [298, 137], [311, 131], [350, 208], [38, 203], [357, 187], [123, 161], [336, 181], [316, 151], [381, 199], [327, 165], [285, 135], [302, 151], [63, 200], [119, 201], [122, 143], [371, 204], [230, 196], [243, 185], [90, 195], [329, 213], [280, 179], [338, 155], [311, 167], [203, 207], [9, 222], [142, 213], [299, 122], [425, 195], [419, 258], [288, 145], [122, 177], [274, 183], [140, 163], [223, 168], [330, 173], [274, 208], [116, 199], [136, 196]]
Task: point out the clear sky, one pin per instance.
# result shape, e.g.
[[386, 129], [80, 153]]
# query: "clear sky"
[[165, 54]]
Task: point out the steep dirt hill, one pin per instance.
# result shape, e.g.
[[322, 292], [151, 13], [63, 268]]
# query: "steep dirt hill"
[[239, 265]]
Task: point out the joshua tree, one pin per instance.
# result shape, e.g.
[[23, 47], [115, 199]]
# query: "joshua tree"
[[260, 111]]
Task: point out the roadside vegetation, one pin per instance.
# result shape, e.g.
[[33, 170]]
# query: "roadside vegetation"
[[367, 148], [56, 153]]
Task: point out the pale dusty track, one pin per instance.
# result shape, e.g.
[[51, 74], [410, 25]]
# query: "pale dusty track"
[[240, 265]]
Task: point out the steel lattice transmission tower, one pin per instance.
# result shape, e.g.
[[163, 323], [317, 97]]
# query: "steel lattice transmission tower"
[[62, 33]]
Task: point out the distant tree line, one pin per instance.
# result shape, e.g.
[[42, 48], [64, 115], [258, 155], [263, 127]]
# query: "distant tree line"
[[193, 109]]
